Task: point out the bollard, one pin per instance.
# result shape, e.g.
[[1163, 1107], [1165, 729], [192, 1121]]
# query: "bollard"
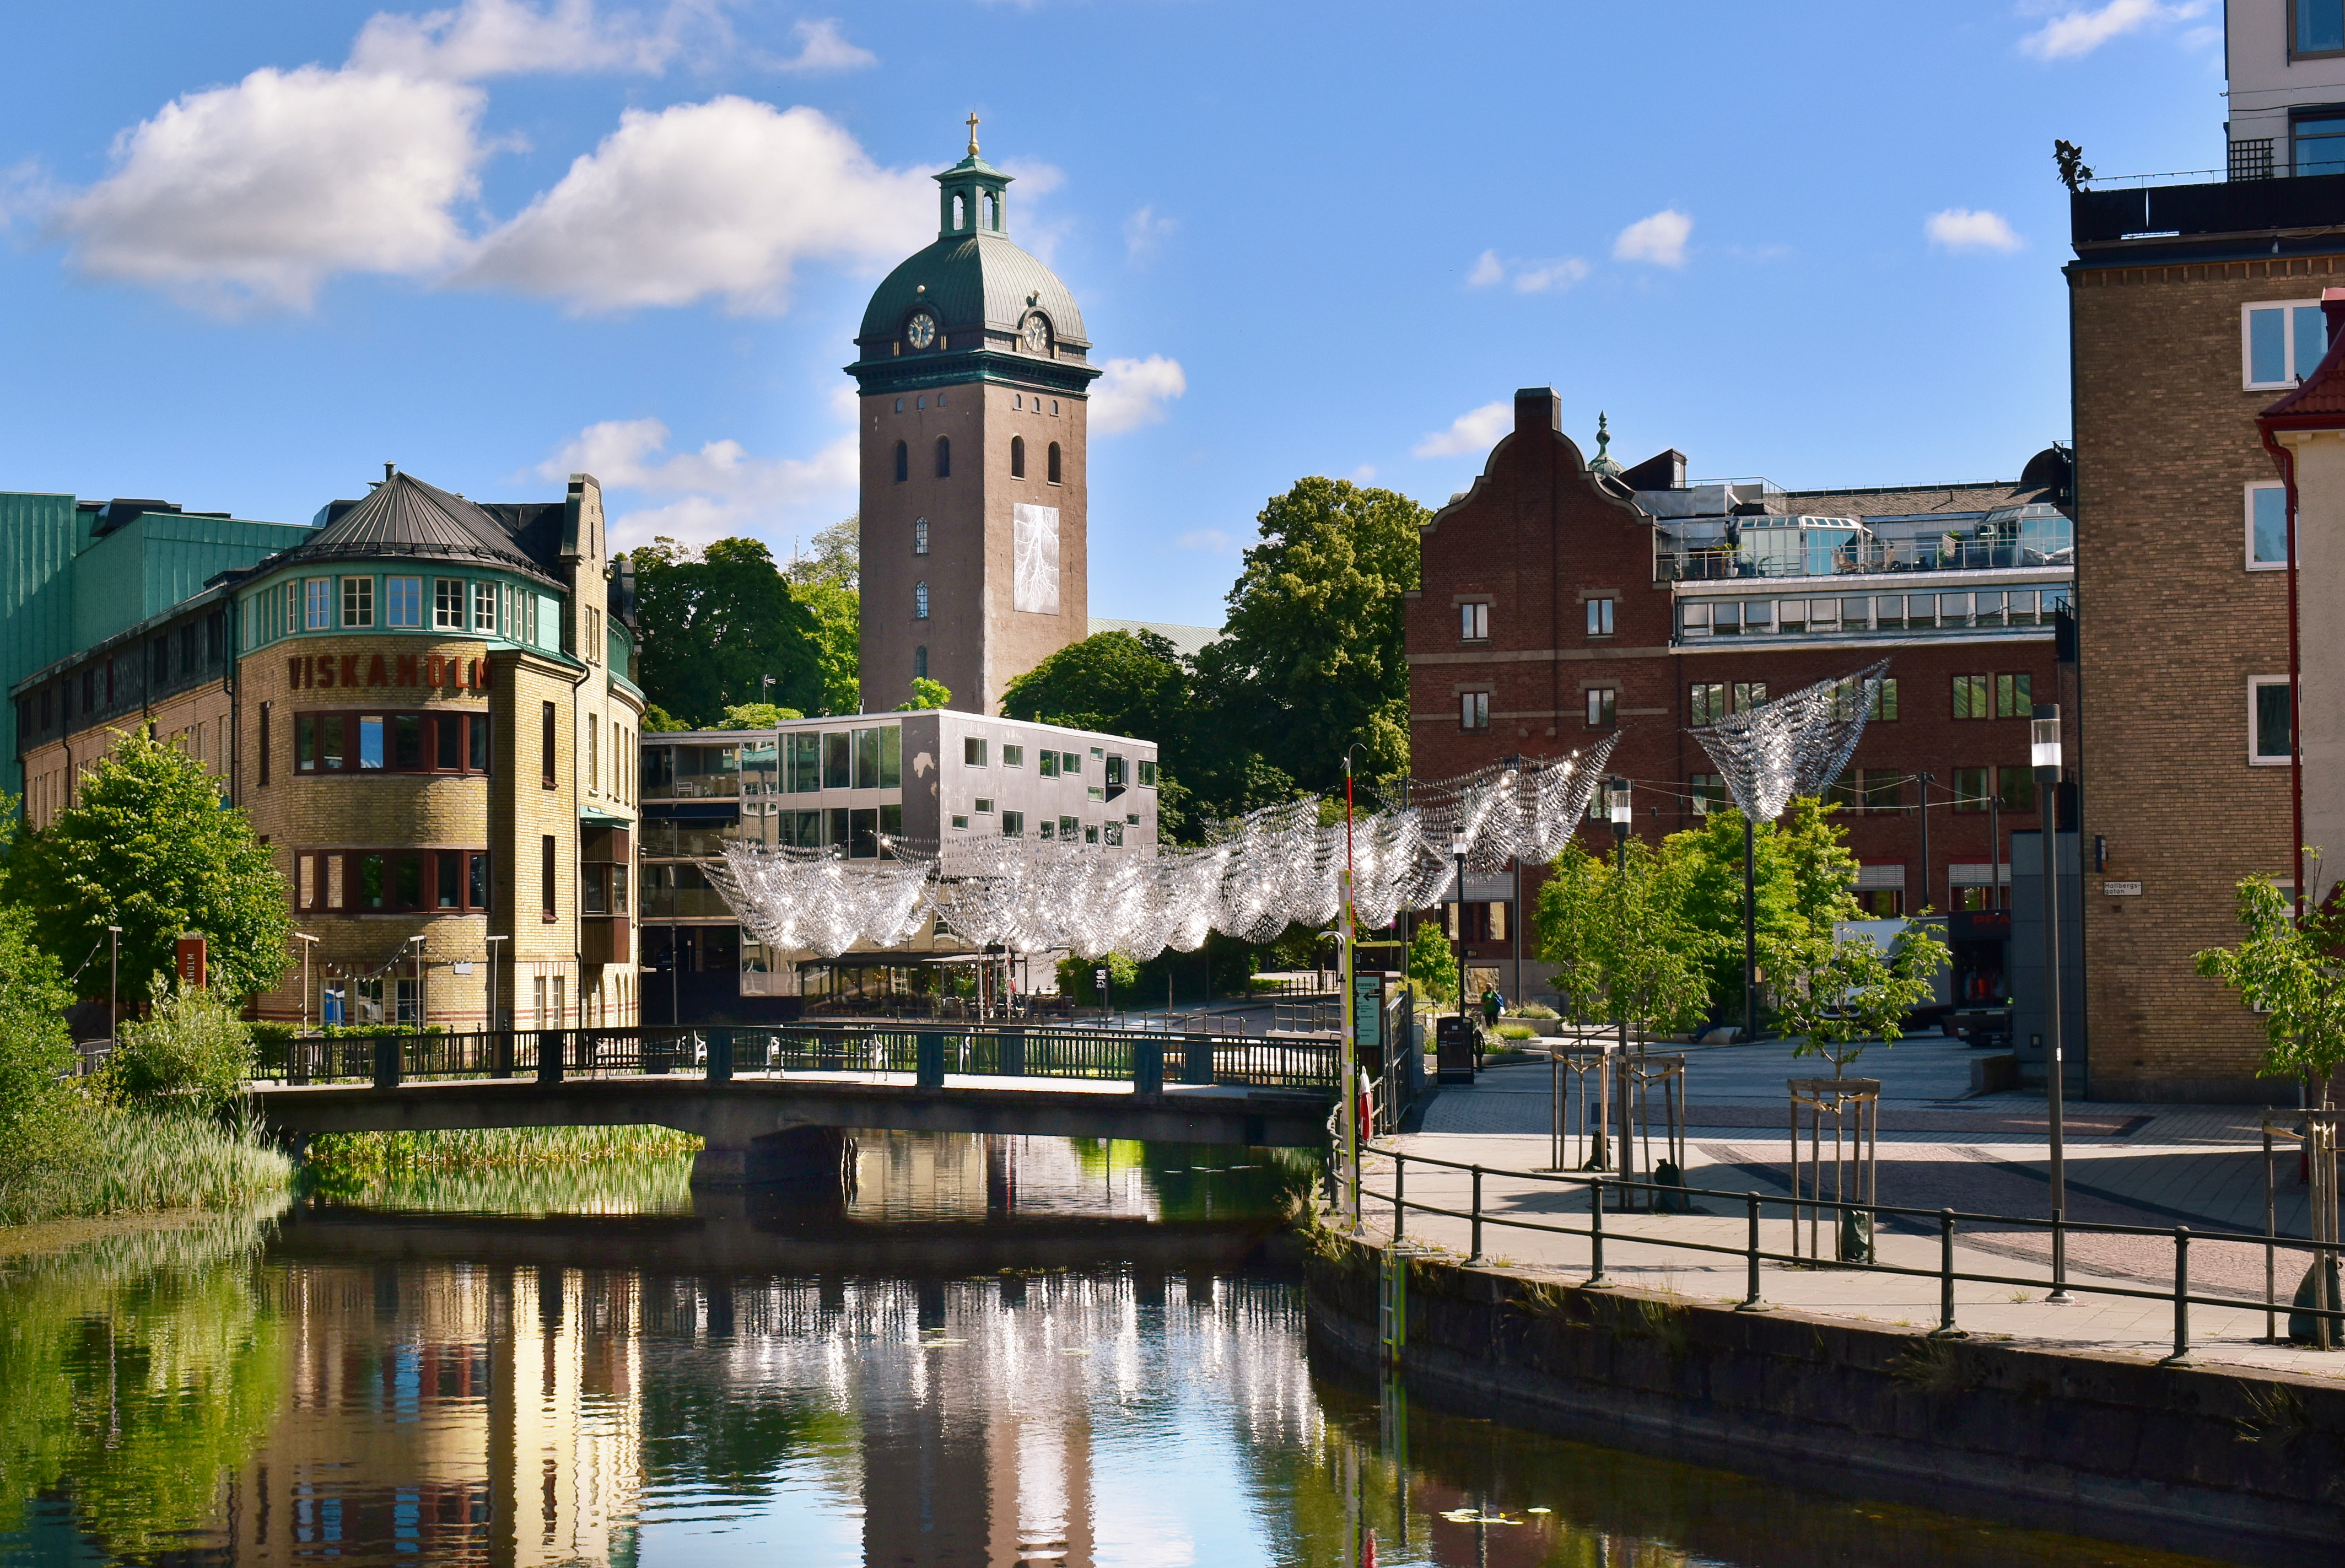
[[2181, 1296], [1596, 1279], [1750, 1301], [504, 1054], [1946, 1328], [1477, 1255]]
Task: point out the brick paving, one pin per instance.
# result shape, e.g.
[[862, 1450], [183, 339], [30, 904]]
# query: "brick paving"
[[2157, 1165]]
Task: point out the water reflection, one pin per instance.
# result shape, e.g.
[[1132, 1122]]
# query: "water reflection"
[[457, 1392]]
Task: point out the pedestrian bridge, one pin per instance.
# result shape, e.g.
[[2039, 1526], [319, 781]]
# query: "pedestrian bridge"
[[778, 1104]]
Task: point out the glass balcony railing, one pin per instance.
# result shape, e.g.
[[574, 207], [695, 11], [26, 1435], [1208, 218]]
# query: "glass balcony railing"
[[1844, 614]]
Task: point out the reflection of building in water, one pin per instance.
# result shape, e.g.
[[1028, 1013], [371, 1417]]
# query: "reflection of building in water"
[[924, 1176], [449, 1415]]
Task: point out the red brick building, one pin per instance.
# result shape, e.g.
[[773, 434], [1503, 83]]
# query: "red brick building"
[[1565, 599]]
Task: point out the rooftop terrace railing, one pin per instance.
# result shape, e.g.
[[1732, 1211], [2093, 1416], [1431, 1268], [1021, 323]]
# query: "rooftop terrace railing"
[[1723, 562]]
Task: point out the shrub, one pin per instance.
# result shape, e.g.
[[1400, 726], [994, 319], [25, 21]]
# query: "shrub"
[[44, 1132], [191, 1050]]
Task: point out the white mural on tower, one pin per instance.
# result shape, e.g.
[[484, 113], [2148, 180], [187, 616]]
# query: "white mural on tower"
[[1035, 539]]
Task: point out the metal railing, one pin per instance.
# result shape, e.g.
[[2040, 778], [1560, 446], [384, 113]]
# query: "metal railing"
[[1945, 1221], [1149, 1060]]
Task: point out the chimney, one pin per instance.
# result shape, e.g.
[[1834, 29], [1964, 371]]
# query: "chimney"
[[1540, 408]]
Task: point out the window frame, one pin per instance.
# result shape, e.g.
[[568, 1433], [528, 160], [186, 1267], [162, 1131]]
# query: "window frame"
[[1705, 702], [2294, 54], [474, 735], [320, 872], [1017, 457], [2291, 373], [1980, 690], [448, 616], [2015, 693], [1603, 705], [2268, 486], [1474, 712], [402, 594], [919, 535], [1474, 620], [2256, 685], [358, 603], [920, 601], [1601, 616]]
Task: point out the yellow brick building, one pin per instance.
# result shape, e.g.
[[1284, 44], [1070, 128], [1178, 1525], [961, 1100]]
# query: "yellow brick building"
[[426, 709]]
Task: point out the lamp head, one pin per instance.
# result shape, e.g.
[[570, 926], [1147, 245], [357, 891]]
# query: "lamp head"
[[1457, 849], [1622, 811], [2044, 741]]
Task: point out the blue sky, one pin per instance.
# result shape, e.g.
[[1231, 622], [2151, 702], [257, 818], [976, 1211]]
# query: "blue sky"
[[255, 250]]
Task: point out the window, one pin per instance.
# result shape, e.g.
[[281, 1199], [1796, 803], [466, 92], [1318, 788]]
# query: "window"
[[2012, 697], [1054, 473], [547, 740], [1013, 824], [1474, 622], [1868, 790], [944, 454], [594, 758], [1114, 834], [1749, 694], [1046, 764], [972, 750], [2320, 149], [1017, 457], [959, 823], [545, 861], [982, 805], [2283, 341], [403, 601], [485, 606], [2268, 526], [1473, 710], [1709, 793], [1114, 776], [391, 882], [1069, 830], [919, 535], [386, 742], [1600, 706], [903, 462], [1599, 617], [1884, 699], [266, 710], [1970, 788], [320, 604], [2269, 720], [2320, 27], [1880, 903], [1013, 756], [1970, 696], [919, 601], [920, 662], [837, 759], [1706, 701], [2014, 788], [358, 601], [1147, 774], [447, 603]]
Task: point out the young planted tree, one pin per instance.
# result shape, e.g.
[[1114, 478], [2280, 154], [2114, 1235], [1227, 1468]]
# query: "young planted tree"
[[149, 847], [1841, 993], [44, 1132], [1624, 941], [2289, 972], [1433, 964]]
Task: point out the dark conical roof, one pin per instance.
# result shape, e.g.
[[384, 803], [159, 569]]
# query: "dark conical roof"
[[406, 517]]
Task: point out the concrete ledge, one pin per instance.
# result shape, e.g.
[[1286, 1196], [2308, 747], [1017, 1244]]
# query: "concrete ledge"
[[2225, 1463]]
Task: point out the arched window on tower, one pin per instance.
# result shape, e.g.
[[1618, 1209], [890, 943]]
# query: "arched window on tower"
[[1017, 457], [919, 601], [920, 662], [992, 211], [960, 212], [1055, 478], [919, 535], [903, 462], [944, 457]]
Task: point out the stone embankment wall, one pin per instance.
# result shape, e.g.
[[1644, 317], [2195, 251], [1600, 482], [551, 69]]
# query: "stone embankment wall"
[[2243, 1466]]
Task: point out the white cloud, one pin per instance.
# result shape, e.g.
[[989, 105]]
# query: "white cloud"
[[1211, 540], [720, 491], [254, 194], [506, 38], [2081, 31], [1960, 228], [1144, 234], [823, 47], [1470, 433], [1489, 270], [1659, 240], [1545, 276], [722, 199], [1132, 392]]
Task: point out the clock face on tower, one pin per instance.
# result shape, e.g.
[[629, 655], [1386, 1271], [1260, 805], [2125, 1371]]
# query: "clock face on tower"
[[920, 332], [1036, 335]]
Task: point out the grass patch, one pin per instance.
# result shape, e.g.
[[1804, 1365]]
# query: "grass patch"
[[132, 1161]]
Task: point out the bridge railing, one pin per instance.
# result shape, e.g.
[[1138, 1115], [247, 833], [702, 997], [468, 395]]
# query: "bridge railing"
[[1149, 1060]]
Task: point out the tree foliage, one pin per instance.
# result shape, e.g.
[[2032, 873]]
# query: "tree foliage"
[[1839, 992], [715, 622], [2289, 972], [42, 1133], [1432, 963], [149, 847], [926, 694], [1117, 683], [755, 716], [829, 581], [192, 1049], [1623, 940]]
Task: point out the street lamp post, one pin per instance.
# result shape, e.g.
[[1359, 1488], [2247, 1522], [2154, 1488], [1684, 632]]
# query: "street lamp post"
[[308, 943], [2044, 752], [1926, 780], [1623, 815], [114, 982], [1458, 853], [493, 982]]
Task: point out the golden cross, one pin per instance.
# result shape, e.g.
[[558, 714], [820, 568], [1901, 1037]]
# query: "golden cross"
[[973, 134]]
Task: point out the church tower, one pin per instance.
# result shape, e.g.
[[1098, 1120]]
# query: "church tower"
[[973, 369]]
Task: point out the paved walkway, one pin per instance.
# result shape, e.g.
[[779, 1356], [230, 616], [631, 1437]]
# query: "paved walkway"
[[2156, 1166]]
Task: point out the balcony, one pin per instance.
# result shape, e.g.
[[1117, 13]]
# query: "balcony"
[[2207, 208], [1873, 615], [2035, 535]]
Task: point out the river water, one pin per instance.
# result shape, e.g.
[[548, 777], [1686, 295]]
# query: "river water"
[[1009, 1351]]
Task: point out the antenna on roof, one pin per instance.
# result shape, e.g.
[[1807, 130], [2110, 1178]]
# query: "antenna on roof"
[[389, 469]]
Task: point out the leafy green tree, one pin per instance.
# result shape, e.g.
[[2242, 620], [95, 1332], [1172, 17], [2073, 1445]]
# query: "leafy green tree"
[[755, 716], [1622, 937], [1712, 860], [1433, 964], [829, 581], [1311, 661], [43, 1133], [149, 847], [1840, 993], [715, 622], [658, 720], [1117, 683], [192, 1049], [1075, 980], [2289, 972], [926, 694]]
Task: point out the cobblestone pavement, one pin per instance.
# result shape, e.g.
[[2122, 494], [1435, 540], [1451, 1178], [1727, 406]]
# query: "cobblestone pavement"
[[2157, 1165]]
